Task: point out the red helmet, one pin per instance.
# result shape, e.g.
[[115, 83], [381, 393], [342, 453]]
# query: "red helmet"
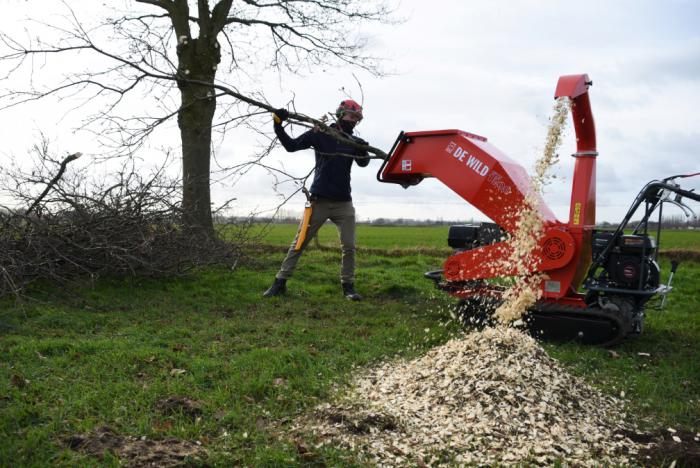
[[349, 105]]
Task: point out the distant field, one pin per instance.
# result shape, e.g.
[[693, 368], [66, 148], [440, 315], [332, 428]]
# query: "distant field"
[[673, 239], [382, 237], [390, 237]]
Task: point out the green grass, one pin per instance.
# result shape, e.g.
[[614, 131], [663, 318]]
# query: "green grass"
[[380, 237], [103, 355], [679, 239], [434, 237]]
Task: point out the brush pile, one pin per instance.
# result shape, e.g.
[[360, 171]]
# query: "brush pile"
[[65, 225], [488, 397]]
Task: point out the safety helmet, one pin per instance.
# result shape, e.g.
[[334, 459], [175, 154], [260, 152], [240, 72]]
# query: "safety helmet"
[[349, 105]]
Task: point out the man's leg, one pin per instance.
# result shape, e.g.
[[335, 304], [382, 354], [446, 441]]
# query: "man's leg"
[[343, 216], [319, 215]]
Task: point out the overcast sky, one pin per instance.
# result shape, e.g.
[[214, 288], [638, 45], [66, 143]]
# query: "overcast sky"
[[487, 67]]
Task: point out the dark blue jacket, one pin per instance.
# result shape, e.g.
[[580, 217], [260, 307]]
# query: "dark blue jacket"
[[332, 172]]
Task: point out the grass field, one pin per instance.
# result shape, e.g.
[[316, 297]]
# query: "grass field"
[[110, 353], [433, 237]]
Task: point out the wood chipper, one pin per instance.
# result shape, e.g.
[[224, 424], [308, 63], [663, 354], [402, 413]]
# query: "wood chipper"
[[595, 284]]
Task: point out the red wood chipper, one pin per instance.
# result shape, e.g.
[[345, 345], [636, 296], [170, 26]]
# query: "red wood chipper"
[[596, 284]]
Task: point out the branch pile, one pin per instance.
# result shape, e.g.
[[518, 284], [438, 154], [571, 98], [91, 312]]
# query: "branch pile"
[[127, 224], [487, 398]]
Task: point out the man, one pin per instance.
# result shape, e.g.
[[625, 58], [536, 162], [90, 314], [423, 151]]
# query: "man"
[[329, 195]]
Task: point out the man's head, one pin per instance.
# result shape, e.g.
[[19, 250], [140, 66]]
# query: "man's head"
[[349, 114]]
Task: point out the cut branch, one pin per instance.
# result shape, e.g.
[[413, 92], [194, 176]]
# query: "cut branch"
[[52, 182]]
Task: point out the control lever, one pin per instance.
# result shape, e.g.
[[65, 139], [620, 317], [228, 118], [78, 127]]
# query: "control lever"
[[687, 211], [674, 267]]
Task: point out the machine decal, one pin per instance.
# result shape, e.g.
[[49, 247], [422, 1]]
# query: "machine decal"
[[406, 165], [577, 213], [477, 165], [499, 183], [460, 154]]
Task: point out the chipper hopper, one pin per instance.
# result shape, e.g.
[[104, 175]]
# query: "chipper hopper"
[[595, 284]]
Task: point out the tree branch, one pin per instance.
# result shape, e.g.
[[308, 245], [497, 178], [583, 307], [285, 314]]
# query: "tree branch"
[[219, 15], [57, 177]]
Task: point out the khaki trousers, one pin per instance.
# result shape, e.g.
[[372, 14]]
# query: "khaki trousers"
[[342, 214]]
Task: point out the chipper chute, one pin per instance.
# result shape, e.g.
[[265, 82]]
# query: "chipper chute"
[[595, 283]]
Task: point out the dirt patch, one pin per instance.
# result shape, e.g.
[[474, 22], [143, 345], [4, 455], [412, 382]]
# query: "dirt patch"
[[666, 447], [134, 451], [492, 397], [179, 405], [359, 422]]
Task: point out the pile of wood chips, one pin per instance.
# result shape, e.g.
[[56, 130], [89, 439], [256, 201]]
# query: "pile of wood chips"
[[487, 397]]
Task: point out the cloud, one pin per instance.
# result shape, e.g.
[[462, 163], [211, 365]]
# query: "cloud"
[[490, 68]]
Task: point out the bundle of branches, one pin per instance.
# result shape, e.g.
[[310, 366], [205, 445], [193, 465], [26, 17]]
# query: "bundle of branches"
[[123, 225]]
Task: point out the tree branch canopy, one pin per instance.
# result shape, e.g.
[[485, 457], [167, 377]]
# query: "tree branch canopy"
[[149, 60]]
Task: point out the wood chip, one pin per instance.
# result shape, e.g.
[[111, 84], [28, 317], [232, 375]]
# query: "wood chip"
[[488, 397]]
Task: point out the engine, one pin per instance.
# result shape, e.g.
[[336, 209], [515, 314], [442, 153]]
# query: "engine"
[[630, 263]]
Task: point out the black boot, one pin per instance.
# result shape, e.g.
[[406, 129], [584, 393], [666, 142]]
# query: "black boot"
[[278, 288], [349, 292]]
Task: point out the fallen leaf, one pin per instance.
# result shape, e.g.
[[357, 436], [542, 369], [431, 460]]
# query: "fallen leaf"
[[176, 372], [18, 381], [301, 448], [163, 426], [395, 450]]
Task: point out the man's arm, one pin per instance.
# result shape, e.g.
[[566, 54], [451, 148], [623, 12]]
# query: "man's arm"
[[304, 141], [363, 159]]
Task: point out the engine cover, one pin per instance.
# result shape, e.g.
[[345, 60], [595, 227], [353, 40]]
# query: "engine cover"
[[628, 270]]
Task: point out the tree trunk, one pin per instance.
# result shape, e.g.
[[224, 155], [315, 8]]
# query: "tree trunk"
[[197, 60], [195, 120]]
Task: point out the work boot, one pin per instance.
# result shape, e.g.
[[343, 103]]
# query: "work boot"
[[349, 292], [278, 288]]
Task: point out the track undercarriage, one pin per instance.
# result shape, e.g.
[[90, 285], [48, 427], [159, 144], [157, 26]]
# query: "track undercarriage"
[[598, 324]]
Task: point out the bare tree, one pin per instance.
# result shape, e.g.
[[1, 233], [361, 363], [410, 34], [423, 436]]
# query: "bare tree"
[[134, 65]]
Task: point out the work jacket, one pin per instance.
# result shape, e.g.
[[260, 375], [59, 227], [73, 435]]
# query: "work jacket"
[[332, 172]]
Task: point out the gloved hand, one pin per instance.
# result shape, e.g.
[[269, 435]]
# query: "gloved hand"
[[280, 115], [358, 151]]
